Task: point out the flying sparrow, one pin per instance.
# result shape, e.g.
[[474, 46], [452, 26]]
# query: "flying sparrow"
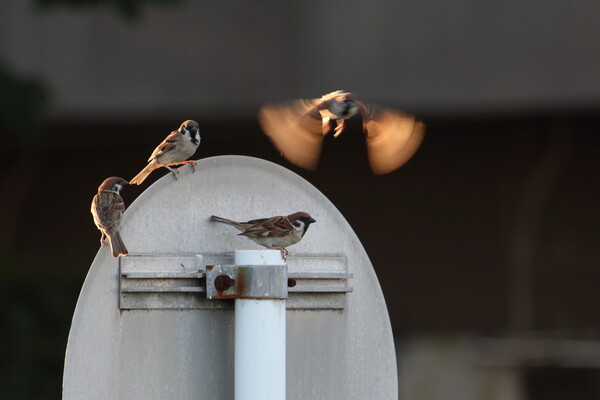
[[298, 127], [107, 209], [174, 150], [273, 233]]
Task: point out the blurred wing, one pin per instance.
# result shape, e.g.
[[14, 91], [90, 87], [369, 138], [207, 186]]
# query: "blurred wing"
[[332, 95], [296, 131], [392, 139]]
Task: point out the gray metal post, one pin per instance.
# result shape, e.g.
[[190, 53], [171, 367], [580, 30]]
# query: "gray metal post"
[[258, 282], [260, 335]]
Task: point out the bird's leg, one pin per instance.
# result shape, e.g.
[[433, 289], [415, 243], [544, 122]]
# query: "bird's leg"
[[284, 252], [191, 162], [173, 171], [339, 128], [102, 239]]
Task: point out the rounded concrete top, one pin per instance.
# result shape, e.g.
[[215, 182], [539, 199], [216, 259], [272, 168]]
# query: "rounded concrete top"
[[122, 352]]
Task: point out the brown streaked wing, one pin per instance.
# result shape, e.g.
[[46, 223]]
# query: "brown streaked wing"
[[165, 145], [110, 207], [265, 227], [119, 203]]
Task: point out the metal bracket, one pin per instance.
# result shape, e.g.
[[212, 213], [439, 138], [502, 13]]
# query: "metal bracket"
[[182, 281], [246, 281]]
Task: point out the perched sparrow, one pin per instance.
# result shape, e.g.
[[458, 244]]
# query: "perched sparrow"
[[297, 129], [273, 233], [174, 150], [107, 209]]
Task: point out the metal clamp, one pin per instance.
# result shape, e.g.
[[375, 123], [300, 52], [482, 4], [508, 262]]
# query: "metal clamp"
[[182, 281], [246, 281]]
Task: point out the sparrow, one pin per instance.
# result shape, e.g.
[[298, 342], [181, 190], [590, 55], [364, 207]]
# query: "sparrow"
[[275, 232], [297, 129], [107, 210], [174, 150]]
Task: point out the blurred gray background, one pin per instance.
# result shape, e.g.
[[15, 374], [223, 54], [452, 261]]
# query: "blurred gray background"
[[485, 243]]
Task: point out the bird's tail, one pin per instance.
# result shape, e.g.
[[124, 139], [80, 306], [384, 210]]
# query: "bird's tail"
[[237, 225], [223, 220], [139, 178], [116, 244]]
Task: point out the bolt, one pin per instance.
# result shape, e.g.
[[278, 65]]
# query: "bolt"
[[223, 282], [291, 282]]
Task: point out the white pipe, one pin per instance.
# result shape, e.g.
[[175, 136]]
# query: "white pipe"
[[259, 338]]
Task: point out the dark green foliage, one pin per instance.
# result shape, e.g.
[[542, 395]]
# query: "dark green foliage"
[[22, 103]]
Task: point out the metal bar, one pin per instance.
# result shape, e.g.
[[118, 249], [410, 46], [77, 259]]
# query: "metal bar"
[[320, 275], [151, 289], [320, 289], [259, 338], [163, 275]]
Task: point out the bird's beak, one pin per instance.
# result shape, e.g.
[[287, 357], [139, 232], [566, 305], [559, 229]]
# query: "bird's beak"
[[312, 220]]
